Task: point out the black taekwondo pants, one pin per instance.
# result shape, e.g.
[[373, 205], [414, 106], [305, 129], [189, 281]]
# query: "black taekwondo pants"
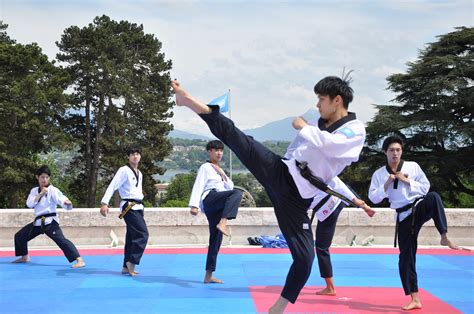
[[53, 231], [136, 237], [324, 234], [290, 208], [218, 205], [430, 207]]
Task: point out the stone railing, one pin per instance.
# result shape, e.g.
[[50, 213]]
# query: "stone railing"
[[175, 227]]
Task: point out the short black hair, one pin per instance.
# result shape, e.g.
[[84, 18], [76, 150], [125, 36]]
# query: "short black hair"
[[216, 144], [390, 140], [133, 149], [332, 86], [43, 169]]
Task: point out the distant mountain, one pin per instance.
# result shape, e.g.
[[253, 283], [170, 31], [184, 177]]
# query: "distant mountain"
[[187, 135], [280, 130]]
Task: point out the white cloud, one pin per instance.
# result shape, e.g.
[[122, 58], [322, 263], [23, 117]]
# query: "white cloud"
[[364, 108], [270, 54], [384, 71]]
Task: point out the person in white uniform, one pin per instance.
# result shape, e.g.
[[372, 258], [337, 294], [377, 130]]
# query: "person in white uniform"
[[327, 148], [326, 209], [214, 193], [405, 185], [128, 181], [44, 199]]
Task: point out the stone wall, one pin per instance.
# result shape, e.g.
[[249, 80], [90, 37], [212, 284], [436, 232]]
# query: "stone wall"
[[175, 226]]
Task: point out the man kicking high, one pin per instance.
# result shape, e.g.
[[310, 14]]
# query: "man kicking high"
[[326, 149]]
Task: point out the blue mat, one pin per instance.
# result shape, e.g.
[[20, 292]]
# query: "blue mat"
[[170, 283]]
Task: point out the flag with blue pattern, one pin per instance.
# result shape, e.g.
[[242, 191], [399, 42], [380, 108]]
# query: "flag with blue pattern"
[[222, 102]]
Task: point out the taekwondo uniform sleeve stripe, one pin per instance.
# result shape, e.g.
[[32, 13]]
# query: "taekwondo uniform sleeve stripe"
[[334, 144], [119, 179], [198, 187]]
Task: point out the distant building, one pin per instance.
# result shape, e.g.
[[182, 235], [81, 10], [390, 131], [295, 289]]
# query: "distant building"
[[160, 192]]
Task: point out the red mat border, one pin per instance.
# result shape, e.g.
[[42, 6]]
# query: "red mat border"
[[390, 300], [119, 251]]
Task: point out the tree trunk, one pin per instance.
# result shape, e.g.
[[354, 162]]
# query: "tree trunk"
[[88, 150], [96, 153], [14, 201]]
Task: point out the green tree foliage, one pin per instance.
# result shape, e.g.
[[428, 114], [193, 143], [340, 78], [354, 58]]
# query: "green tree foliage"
[[179, 190], [434, 114], [250, 183], [175, 203], [189, 154], [122, 94], [32, 104], [4, 38]]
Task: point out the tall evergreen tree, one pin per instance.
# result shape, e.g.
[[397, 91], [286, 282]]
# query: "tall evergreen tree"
[[32, 104], [434, 114], [121, 86]]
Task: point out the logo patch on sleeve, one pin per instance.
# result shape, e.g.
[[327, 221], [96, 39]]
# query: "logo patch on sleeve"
[[347, 132]]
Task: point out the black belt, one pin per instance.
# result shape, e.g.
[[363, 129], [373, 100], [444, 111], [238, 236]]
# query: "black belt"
[[129, 203], [132, 200], [401, 210], [318, 183], [43, 219], [318, 206]]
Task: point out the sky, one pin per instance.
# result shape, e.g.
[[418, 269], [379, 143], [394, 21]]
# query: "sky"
[[269, 54]]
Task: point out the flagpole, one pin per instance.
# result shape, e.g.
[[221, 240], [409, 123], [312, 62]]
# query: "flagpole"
[[230, 152]]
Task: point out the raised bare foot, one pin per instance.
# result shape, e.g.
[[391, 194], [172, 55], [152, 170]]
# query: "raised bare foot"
[[23, 259], [446, 242], [183, 98], [223, 229], [413, 305], [80, 263], [326, 291], [212, 280]]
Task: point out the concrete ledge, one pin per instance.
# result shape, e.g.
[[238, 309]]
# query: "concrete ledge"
[[175, 226]]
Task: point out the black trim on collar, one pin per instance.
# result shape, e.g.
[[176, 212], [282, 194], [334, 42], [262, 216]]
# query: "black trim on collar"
[[336, 125], [399, 168], [137, 174], [39, 188]]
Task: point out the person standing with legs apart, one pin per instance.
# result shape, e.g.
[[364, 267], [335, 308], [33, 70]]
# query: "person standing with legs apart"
[[44, 199], [406, 187], [326, 149], [327, 212], [325, 230], [128, 181], [326, 208], [214, 193]]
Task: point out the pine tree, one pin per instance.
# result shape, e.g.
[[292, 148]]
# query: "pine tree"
[[121, 86]]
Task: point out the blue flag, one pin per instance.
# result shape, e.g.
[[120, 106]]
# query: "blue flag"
[[222, 102]]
